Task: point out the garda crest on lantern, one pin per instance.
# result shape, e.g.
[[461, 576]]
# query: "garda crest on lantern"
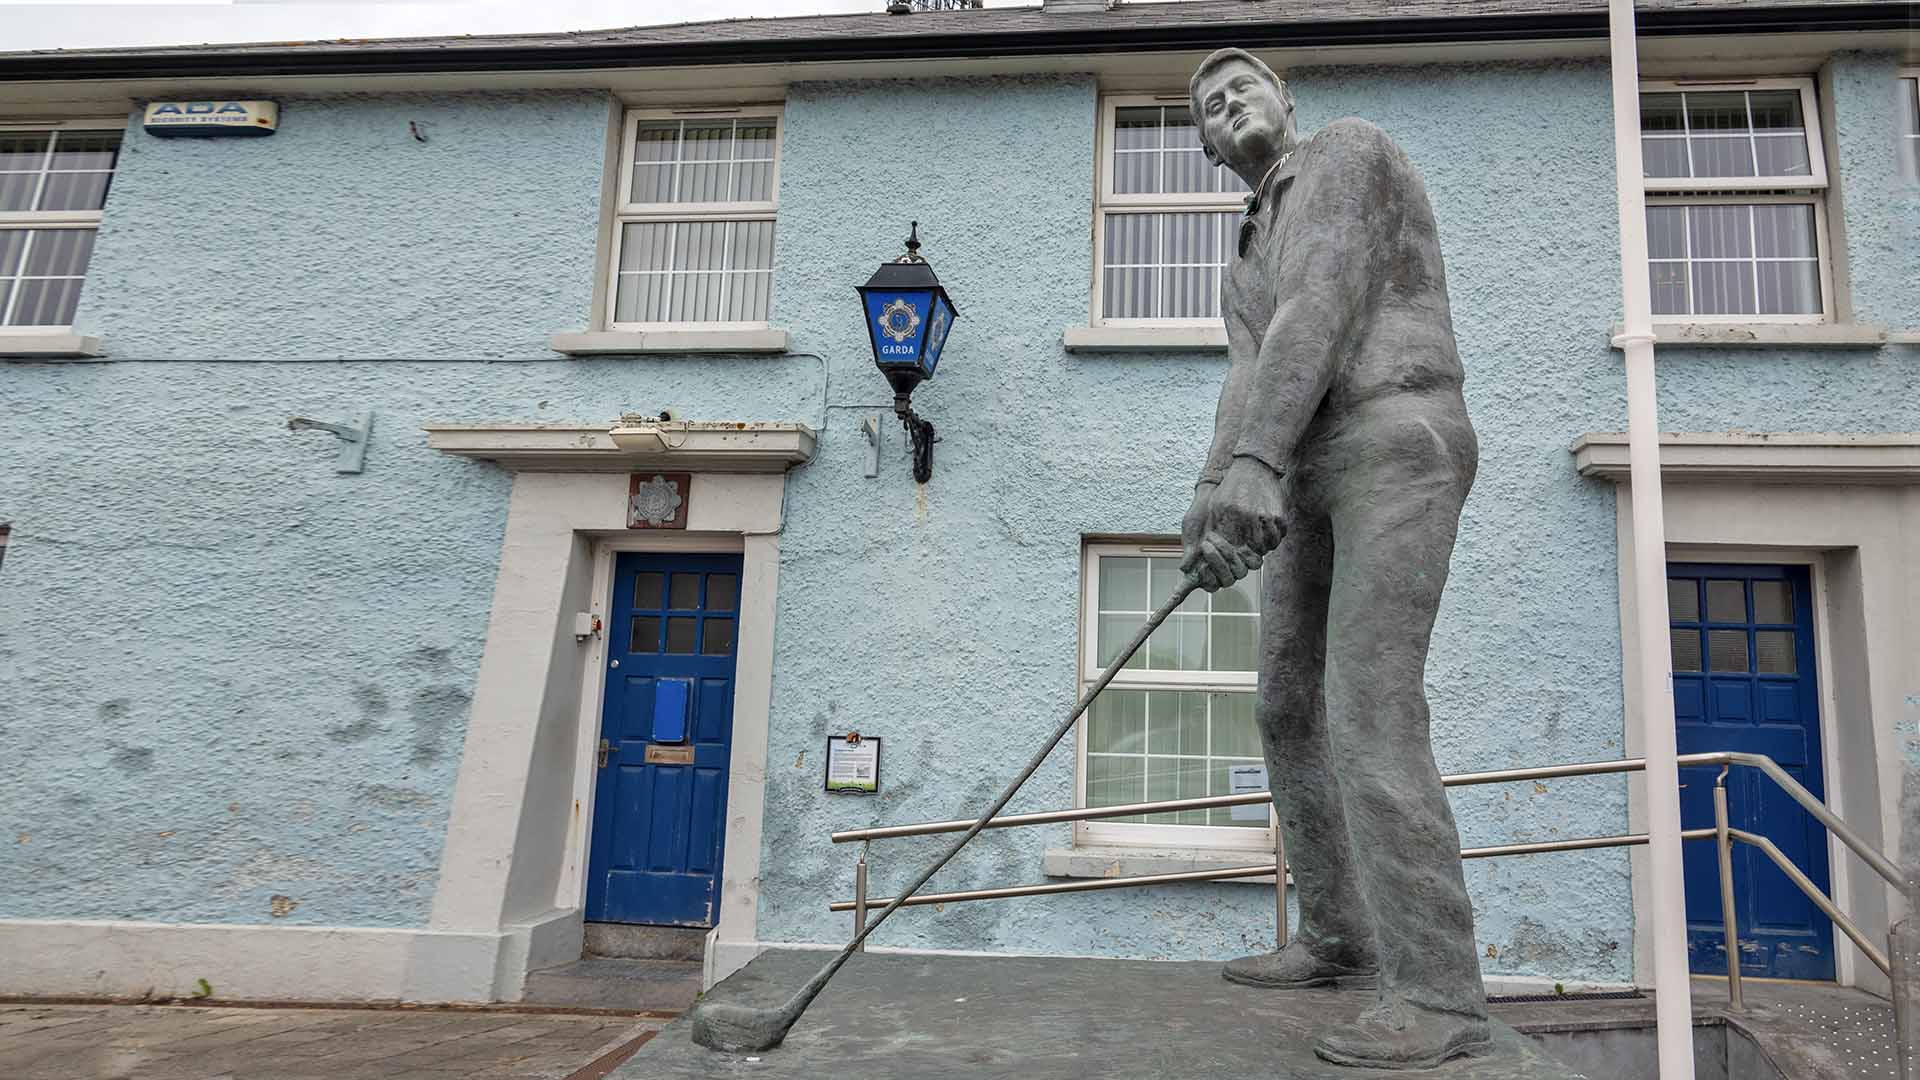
[[908, 315]]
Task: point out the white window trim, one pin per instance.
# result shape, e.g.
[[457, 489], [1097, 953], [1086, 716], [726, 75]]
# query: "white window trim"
[[1821, 247], [1106, 201], [1906, 74], [56, 339], [1806, 190], [1809, 117], [1129, 834], [627, 211]]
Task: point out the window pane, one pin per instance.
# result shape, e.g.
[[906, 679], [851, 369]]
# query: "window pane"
[[1667, 232], [1136, 128], [1661, 113], [1686, 650], [1727, 650], [751, 246], [59, 253], [23, 151], [699, 245], [680, 635], [1909, 109], [646, 246], [1115, 632], [653, 183], [1663, 157], [1789, 288], [1783, 231], [1775, 109], [1166, 577], [753, 139], [1192, 247], [1782, 155], [1179, 645], [75, 191], [1727, 601], [1669, 281], [1717, 111], [1772, 602], [723, 591], [1173, 778], [642, 298], [649, 591], [1123, 584], [1723, 288], [683, 594], [716, 637], [1234, 734], [1114, 781], [1117, 723], [45, 302], [1683, 600], [16, 190], [1773, 652], [1221, 783], [86, 150], [646, 634], [753, 181], [1177, 722], [1236, 643], [657, 140], [1179, 132], [1722, 156], [1720, 232]]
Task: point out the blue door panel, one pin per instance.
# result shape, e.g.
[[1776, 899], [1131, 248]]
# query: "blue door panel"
[[659, 825], [1743, 664]]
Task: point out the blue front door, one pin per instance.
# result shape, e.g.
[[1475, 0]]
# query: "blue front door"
[[660, 802], [1743, 679]]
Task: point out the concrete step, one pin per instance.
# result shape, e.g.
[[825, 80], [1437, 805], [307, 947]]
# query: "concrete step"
[[645, 942], [599, 982]]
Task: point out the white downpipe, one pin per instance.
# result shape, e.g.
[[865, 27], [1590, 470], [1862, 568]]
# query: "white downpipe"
[[1673, 996]]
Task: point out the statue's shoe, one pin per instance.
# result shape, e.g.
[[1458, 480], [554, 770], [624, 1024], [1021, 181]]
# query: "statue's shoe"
[[1400, 1036], [1296, 968]]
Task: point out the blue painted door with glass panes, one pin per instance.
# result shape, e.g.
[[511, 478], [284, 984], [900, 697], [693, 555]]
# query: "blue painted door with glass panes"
[[1743, 679], [660, 801]]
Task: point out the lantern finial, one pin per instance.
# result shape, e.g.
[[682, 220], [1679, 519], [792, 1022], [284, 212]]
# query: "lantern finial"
[[913, 246]]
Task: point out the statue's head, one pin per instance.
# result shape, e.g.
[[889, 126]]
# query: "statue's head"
[[1243, 110]]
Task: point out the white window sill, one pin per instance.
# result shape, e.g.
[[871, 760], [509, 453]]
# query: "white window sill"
[[1742, 334], [609, 342], [1095, 861], [49, 345], [1145, 338]]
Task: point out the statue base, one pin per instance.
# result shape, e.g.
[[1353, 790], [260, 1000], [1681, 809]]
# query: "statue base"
[[1043, 1018]]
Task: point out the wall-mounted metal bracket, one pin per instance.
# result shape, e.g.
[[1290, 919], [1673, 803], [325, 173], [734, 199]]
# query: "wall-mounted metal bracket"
[[353, 440], [870, 425]]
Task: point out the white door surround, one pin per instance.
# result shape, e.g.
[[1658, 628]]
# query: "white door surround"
[[1849, 508]]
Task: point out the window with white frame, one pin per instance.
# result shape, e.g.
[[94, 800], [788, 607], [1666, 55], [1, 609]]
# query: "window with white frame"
[[1180, 713], [1736, 184], [693, 235], [53, 185], [1910, 125], [1167, 216]]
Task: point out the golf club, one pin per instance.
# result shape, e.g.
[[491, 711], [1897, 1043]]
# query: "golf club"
[[737, 1028]]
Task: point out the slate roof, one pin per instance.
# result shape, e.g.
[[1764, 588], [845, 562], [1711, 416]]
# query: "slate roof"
[[990, 31]]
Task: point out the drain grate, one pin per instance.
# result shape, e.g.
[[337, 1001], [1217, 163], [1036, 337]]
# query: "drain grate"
[[1596, 995]]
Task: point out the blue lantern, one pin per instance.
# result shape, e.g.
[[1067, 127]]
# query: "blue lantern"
[[908, 315]]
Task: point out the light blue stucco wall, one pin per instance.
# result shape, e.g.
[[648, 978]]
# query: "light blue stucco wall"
[[227, 673]]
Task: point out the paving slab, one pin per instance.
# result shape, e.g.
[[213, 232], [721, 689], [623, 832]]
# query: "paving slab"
[[174, 1042], [905, 1017]]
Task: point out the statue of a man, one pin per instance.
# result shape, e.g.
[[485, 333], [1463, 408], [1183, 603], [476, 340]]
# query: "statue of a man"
[[1341, 454]]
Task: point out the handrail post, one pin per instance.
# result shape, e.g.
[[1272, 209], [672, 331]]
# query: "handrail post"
[[1724, 843], [1279, 884], [1903, 956], [860, 897]]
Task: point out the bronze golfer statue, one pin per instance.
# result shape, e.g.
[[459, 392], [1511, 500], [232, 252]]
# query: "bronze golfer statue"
[[1341, 455]]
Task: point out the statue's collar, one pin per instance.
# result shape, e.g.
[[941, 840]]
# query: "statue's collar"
[[1282, 171]]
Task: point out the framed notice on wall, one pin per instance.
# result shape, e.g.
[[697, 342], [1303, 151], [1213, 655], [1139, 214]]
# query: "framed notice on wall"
[[853, 764]]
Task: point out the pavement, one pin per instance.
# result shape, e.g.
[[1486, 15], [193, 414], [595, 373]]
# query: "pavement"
[[192, 1042], [906, 1016]]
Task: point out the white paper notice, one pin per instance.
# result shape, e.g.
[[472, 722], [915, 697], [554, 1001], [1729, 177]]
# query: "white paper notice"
[[1246, 780], [853, 766]]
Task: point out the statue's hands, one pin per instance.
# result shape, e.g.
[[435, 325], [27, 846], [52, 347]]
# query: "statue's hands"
[[1231, 528]]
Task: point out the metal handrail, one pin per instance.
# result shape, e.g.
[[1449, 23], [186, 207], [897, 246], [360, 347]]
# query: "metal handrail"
[[1723, 835]]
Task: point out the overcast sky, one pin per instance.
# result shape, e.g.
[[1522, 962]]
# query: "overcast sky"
[[101, 23]]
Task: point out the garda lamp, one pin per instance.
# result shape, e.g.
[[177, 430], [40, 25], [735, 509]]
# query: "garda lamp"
[[908, 314]]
